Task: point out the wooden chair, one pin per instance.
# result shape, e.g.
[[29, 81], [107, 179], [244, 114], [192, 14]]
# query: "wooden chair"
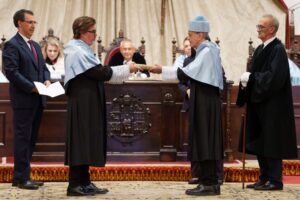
[[175, 50], [49, 35], [1, 49], [114, 48], [2, 43], [251, 50]]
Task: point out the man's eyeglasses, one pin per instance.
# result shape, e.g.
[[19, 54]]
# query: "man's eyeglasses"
[[261, 27], [92, 31], [31, 22]]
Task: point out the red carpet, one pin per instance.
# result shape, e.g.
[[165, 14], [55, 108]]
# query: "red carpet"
[[147, 171], [291, 179]]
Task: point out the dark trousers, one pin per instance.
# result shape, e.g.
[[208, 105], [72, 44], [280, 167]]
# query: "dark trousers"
[[195, 166], [208, 172], [26, 125], [79, 175], [270, 170]]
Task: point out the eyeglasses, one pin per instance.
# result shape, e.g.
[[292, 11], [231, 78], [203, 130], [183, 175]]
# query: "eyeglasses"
[[31, 22], [93, 31], [261, 27]]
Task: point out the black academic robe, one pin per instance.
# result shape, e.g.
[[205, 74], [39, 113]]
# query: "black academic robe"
[[270, 128], [205, 126], [86, 118], [118, 59], [184, 85]]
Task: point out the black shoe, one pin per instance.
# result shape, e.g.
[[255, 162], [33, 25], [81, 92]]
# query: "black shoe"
[[79, 191], [97, 190], [193, 181], [257, 184], [203, 190], [38, 183], [27, 185], [268, 186]]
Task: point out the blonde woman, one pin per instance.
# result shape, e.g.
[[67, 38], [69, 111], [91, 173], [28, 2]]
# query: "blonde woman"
[[53, 55]]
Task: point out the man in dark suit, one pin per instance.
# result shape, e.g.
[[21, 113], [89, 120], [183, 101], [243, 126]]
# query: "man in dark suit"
[[23, 63], [127, 54]]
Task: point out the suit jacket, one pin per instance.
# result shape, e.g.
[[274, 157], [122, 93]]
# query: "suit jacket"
[[22, 70], [118, 59]]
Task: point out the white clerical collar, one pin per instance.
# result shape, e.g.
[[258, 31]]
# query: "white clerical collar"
[[269, 41]]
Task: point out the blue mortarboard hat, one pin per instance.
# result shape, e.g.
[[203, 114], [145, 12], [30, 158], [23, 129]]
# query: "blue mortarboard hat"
[[199, 24]]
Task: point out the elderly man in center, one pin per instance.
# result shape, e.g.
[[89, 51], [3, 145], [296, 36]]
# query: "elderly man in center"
[[206, 78], [128, 54]]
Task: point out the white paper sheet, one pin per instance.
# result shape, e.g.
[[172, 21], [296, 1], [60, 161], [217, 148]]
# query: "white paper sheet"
[[53, 90]]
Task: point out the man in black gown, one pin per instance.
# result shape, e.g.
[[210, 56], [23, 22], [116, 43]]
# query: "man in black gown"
[[270, 124], [206, 79]]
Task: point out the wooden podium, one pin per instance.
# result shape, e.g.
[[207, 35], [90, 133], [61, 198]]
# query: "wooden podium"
[[144, 119]]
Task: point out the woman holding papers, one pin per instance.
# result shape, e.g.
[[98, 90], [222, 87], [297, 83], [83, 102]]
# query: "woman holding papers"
[[86, 119]]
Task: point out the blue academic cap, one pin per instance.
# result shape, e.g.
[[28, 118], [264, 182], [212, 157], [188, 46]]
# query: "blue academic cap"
[[199, 24]]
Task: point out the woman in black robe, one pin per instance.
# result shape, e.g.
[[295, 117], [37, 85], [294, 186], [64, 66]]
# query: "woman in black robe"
[[86, 116]]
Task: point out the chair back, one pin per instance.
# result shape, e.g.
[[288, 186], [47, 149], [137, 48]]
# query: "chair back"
[[49, 35], [114, 48]]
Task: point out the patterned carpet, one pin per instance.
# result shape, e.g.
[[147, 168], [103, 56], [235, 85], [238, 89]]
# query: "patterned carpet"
[[147, 181], [148, 190]]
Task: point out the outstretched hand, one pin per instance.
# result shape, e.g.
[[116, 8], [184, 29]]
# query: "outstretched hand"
[[133, 67], [155, 69]]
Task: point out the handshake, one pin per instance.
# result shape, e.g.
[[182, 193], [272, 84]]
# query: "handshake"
[[134, 67]]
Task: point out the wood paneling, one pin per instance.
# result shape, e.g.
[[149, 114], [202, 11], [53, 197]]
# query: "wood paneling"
[[167, 138]]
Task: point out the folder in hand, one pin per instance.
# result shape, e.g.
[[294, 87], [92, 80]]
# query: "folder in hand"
[[53, 90]]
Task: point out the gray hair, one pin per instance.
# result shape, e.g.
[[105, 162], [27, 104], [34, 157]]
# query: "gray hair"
[[126, 41], [273, 20]]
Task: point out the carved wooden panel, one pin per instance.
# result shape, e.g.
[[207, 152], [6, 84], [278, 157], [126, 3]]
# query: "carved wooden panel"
[[128, 118]]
